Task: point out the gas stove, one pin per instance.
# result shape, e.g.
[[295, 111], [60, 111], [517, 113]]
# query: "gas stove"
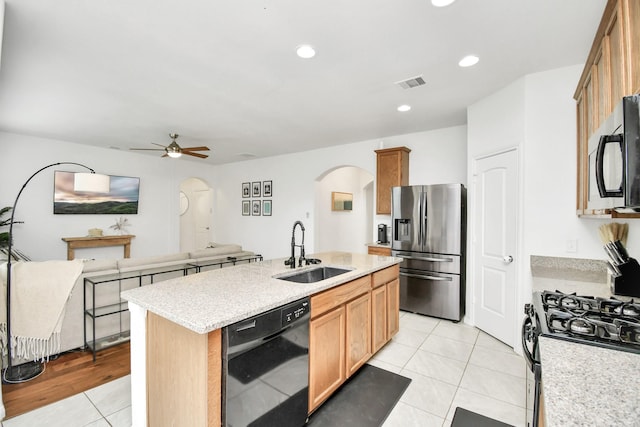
[[605, 322]]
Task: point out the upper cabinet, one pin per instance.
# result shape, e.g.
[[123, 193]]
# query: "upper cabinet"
[[612, 71], [392, 170]]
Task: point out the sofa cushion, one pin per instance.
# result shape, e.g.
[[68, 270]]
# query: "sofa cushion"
[[218, 250], [93, 265], [128, 263]]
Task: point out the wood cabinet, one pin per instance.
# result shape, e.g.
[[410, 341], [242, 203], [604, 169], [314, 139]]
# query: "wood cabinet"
[[393, 308], [358, 333], [348, 324], [379, 317], [392, 170], [184, 373], [339, 336], [612, 71], [385, 306], [378, 250], [326, 355]]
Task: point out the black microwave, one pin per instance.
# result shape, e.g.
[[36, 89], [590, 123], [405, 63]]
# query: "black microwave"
[[614, 160]]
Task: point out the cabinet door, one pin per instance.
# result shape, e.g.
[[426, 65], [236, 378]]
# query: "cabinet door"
[[326, 355], [632, 29], [379, 317], [616, 50], [392, 169], [393, 308], [358, 332]]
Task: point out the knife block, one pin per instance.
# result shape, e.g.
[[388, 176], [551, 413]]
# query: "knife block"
[[628, 283]]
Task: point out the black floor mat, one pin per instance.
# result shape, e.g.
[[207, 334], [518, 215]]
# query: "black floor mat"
[[463, 418], [366, 400]]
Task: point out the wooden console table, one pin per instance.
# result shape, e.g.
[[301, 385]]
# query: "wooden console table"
[[96, 242]]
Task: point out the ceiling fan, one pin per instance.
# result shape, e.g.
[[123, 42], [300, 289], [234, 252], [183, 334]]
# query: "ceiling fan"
[[174, 150]]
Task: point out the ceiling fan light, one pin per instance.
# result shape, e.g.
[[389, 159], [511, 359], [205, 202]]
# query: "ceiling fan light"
[[173, 150]]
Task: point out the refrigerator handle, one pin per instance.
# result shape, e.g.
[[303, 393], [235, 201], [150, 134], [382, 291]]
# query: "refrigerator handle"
[[423, 218], [419, 258], [434, 278]]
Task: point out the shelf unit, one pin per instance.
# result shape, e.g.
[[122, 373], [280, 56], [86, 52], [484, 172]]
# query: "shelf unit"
[[94, 311]]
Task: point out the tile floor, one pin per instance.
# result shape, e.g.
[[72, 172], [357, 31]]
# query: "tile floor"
[[450, 365]]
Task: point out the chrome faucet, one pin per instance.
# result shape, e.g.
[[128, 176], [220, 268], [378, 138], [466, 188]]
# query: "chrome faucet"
[[292, 260]]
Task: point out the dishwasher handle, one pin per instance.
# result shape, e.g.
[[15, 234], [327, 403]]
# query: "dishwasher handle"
[[238, 349], [421, 276]]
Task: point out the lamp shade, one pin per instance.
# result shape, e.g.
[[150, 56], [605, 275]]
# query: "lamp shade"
[[91, 182]]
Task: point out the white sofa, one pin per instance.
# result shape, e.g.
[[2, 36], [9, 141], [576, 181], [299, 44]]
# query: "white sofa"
[[113, 276]]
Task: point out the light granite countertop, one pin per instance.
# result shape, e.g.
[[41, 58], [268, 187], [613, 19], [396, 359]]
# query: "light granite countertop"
[[213, 299], [586, 385]]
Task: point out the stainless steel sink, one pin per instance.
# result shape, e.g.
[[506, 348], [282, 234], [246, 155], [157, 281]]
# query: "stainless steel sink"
[[314, 275]]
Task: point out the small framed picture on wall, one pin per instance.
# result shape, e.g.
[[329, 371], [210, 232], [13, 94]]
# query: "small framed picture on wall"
[[266, 207], [255, 189], [246, 189], [267, 188], [246, 208], [255, 207]]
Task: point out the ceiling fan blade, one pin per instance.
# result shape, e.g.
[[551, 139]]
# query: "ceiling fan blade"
[[159, 145], [147, 149], [189, 153], [165, 155], [203, 148]]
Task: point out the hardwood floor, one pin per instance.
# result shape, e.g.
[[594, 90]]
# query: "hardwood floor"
[[70, 374]]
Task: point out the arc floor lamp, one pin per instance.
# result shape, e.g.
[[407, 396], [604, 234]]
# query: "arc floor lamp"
[[90, 182]]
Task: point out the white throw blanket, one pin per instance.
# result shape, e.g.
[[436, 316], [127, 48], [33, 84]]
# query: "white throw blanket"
[[39, 293]]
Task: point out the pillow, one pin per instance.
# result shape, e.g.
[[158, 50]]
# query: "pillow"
[[91, 265], [220, 250], [137, 262]]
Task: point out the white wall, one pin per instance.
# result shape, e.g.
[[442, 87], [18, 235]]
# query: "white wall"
[[348, 231], [157, 224], [294, 176], [550, 222], [537, 114]]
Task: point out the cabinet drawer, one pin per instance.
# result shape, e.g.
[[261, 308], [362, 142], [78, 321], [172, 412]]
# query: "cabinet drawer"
[[385, 276], [377, 250], [325, 301]]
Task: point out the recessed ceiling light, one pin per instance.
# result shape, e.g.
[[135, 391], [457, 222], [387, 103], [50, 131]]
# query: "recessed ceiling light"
[[305, 51], [441, 3], [404, 108], [468, 61]]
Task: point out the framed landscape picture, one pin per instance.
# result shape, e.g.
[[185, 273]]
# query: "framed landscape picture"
[[246, 189], [255, 208], [246, 208], [266, 207], [255, 189]]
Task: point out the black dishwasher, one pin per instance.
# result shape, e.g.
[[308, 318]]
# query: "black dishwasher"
[[265, 358]]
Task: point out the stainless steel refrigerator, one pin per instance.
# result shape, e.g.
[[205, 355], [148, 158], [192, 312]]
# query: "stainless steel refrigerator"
[[429, 233]]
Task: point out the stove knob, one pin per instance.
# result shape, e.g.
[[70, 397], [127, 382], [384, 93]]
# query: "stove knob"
[[528, 309]]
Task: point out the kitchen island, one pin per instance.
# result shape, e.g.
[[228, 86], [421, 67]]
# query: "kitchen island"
[[176, 327], [585, 385]]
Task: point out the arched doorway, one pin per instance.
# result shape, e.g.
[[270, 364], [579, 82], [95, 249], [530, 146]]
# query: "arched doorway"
[[196, 203], [344, 230]]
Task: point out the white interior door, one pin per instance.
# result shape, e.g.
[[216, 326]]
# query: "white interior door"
[[203, 202], [494, 245]]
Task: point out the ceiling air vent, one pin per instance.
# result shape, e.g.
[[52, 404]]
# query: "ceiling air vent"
[[411, 83]]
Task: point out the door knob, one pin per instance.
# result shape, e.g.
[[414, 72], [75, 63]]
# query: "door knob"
[[508, 259]]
